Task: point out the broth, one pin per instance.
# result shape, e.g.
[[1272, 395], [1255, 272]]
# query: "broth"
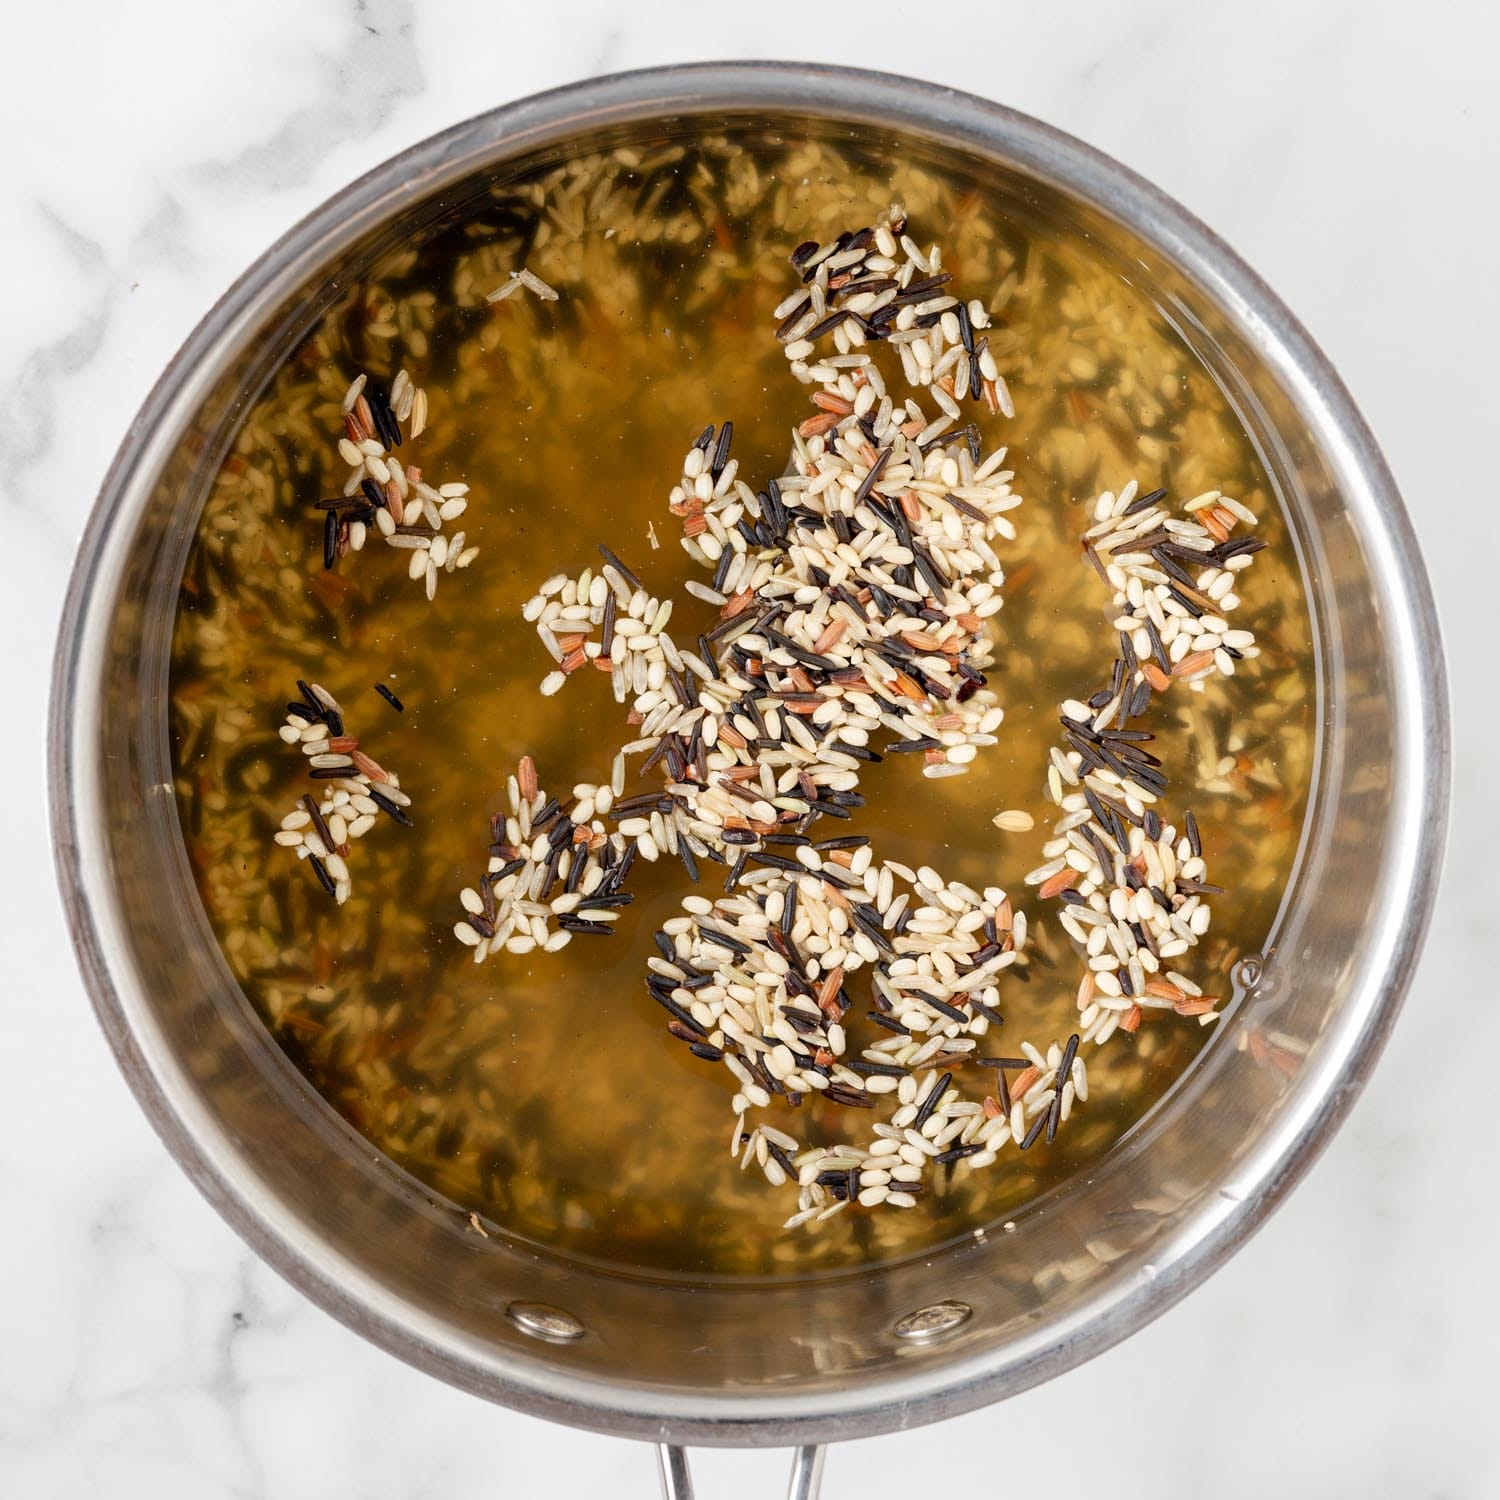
[[537, 1092]]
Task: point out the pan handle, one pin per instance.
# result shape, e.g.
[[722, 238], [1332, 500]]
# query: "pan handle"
[[677, 1482]]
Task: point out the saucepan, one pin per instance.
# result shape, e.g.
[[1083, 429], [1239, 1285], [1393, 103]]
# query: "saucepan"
[[810, 1361]]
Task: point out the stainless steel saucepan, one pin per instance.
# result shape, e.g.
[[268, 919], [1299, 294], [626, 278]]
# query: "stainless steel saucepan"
[[800, 1362]]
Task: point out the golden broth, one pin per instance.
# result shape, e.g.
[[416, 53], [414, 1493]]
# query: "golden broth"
[[539, 1092]]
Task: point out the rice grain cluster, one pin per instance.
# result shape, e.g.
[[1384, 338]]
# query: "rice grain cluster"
[[852, 594]]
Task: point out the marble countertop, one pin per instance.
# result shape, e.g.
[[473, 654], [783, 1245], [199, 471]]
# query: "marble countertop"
[[1348, 151]]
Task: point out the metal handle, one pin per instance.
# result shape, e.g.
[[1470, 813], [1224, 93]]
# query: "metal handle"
[[677, 1482]]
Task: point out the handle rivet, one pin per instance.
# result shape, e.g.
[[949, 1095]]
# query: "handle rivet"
[[1249, 971], [544, 1322], [933, 1322]]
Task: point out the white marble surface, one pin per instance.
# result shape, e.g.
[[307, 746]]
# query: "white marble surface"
[[1347, 150]]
